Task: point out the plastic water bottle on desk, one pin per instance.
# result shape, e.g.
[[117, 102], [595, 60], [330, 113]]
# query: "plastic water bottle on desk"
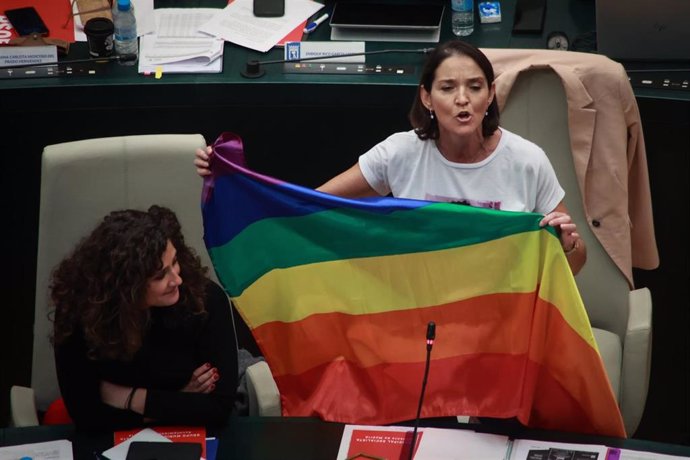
[[125, 38], [462, 17]]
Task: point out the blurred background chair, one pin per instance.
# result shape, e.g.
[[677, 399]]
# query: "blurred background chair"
[[621, 318], [80, 183]]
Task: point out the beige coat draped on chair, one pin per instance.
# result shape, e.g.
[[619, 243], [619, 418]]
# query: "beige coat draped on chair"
[[607, 146]]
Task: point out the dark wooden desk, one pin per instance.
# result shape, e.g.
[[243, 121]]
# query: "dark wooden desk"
[[305, 129], [276, 438]]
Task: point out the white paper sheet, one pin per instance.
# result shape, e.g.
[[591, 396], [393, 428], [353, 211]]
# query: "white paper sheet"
[[236, 23], [52, 450], [119, 452], [183, 22]]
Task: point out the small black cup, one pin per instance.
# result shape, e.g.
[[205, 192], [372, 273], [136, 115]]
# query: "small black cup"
[[99, 32]]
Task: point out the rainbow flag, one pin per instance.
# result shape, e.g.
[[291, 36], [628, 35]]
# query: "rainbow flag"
[[338, 293]]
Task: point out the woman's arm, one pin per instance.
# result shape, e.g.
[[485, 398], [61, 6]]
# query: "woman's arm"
[[349, 184], [573, 245], [215, 344], [80, 389]]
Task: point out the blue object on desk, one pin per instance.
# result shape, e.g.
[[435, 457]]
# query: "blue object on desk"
[[311, 27]]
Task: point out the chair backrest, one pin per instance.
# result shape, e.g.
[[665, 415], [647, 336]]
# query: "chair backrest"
[[80, 183], [536, 109]]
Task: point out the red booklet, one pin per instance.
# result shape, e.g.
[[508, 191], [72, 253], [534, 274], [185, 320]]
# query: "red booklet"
[[195, 434], [379, 444]]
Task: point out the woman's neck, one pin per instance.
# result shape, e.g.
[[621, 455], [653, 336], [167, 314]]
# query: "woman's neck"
[[468, 149]]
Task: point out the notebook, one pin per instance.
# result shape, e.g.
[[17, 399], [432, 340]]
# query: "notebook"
[[643, 29]]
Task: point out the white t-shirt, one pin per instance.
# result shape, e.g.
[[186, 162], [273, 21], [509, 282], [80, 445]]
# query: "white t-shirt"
[[517, 176]]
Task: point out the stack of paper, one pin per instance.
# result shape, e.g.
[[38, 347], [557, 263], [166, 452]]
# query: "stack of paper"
[[237, 24], [177, 46]]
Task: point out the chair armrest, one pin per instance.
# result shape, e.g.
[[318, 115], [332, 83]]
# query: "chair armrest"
[[637, 358], [23, 406], [264, 398]]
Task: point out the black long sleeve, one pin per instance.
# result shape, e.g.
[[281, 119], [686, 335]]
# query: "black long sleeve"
[[173, 348]]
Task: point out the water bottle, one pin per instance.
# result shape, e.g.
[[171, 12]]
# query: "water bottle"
[[463, 17], [125, 38]]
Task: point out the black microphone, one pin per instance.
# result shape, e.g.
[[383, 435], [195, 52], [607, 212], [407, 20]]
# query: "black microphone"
[[430, 334], [430, 337], [117, 58], [253, 68]]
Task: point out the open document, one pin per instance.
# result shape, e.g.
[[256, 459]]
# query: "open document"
[[237, 23], [177, 46], [362, 441]]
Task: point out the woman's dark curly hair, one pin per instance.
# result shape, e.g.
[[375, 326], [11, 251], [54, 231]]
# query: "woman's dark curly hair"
[[100, 287], [423, 124]]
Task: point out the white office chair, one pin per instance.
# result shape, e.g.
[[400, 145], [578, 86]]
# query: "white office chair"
[[80, 183], [621, 319]]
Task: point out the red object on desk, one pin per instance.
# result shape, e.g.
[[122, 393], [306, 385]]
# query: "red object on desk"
[[57, 414], [294, 36], [381, 444], [56, 14]]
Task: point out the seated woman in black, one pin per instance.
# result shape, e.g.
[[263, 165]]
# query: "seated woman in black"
[[141, 335]]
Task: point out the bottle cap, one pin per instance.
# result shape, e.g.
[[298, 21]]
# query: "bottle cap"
[[123, 5]]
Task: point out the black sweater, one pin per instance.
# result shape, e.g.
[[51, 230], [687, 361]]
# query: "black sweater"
[[174, 346]]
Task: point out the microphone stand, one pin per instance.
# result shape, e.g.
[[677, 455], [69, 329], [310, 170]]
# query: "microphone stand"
[[253, 68], [430, 336]]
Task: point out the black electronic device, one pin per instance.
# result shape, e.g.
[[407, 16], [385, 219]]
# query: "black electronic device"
[[146, 450], [373, 15], [269, 8], [529, 16], [253, 68], [26, 21]]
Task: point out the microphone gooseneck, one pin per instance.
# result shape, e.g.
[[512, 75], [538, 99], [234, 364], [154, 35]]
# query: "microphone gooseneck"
[[253, 68], [430, 337]]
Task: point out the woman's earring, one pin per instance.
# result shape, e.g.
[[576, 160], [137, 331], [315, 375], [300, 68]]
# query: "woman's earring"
[[486, 114], [431, 114]]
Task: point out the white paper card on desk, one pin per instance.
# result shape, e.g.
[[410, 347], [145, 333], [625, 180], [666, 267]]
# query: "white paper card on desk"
[[119, 451], [11, 56], [51, 450], [299, 50], [236, 23]]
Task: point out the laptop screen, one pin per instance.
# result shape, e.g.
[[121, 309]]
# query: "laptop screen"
[[371, 15]]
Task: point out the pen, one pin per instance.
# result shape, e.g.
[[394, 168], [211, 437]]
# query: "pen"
[[311, 27]]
